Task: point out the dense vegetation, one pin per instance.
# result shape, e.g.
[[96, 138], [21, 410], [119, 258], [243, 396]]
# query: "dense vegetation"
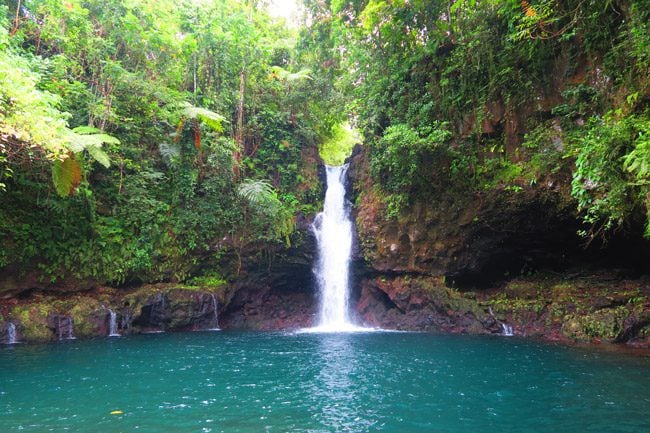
[[140, 140], [162, 140], [482, 94]]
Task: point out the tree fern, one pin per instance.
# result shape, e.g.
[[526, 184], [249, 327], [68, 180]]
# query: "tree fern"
[[282, 74], [260, 195], [210, 118], [66, 175]]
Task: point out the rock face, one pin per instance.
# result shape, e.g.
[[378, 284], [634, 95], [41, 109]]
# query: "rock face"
[[277, 295], [482, 238], [422, 304], [47, 316], [263, 307], [454, 263]]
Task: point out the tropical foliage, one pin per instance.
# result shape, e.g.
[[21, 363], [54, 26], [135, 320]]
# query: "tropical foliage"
[[146, 140], [526, 89], [134, 129]]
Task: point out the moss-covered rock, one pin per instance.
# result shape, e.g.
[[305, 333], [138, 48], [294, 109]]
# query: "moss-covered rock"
[[604, 324], [49, 316], [422, 303]]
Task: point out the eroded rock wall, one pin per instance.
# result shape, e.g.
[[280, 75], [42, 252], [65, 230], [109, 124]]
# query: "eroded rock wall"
[[455, 262]]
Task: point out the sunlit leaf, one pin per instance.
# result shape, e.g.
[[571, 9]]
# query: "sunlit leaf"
[[66, 175]]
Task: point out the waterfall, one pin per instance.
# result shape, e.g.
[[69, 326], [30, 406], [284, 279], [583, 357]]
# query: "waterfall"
[[67, 322], [112, 324], [215, 309], [11, 333], [506, 330], [333, 231]]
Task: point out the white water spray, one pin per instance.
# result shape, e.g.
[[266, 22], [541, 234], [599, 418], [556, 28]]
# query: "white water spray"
[[506, 330], [11, 333], [112, 324], [333, 230], [215, 309]]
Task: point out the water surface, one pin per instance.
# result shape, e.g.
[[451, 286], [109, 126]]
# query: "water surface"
[[366, 382]]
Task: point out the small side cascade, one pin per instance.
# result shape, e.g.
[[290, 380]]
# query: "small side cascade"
[[506, 330], [215, 309], [112, 324], [65, 327], [11, 333], [207, 318]]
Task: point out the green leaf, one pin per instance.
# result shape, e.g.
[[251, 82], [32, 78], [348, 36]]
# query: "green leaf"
[[92, 143], [99, 155], [66, 176], [86, 130], [210, 118]]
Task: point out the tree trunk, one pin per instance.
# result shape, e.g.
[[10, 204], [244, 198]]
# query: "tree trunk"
[[239, 135]]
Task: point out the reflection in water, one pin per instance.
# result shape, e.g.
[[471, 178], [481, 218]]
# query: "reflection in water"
[[336, 389]]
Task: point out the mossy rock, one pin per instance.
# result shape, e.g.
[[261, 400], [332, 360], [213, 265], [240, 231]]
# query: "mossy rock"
[[605, 324], [87, 314], [32, 321]]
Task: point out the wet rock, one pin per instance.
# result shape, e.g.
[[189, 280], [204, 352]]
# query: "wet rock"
[[46, 317], [261, 307], [421, 303], [153, 314], [62, 326]]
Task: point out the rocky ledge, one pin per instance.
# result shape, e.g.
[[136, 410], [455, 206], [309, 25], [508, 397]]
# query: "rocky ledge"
[[595, 308], [47, 316]]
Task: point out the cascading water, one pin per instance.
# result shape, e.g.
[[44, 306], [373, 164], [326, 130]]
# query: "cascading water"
[[215, 309], [333, 230], [11, 333], [506, 330], [112, 324], [65, 328]]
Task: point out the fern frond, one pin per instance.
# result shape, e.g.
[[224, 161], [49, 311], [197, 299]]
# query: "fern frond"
[[213, 120], [283, 75], [256, 191], [77, 142], [66, 175], [169, 152]]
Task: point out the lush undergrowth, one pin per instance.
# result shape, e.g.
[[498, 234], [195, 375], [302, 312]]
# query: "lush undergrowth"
[[146, 141], [164, 140], [483, 94]]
